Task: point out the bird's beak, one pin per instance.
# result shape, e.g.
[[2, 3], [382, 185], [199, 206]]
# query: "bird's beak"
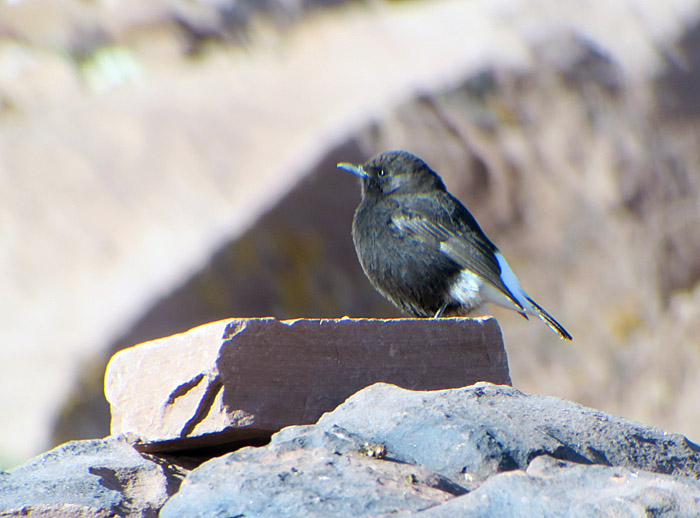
[[357, 170]]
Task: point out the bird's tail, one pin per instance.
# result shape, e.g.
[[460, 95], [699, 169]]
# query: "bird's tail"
[[549, 320]]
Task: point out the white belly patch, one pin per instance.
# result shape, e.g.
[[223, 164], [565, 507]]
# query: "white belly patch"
[[466, 289]]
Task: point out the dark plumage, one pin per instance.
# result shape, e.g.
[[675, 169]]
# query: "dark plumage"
[[423, 250]]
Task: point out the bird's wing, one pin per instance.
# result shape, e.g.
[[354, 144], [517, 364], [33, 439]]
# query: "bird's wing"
[[445, 224]]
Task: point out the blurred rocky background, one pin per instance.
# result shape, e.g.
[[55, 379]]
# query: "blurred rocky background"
[[164, 164]]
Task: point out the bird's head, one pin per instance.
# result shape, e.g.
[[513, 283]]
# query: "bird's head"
[[392, 172]]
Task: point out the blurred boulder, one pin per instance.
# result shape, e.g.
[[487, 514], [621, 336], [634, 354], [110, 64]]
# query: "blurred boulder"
[[571, 166], [182, 179]]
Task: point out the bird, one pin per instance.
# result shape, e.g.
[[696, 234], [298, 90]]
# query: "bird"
[[423, 250]]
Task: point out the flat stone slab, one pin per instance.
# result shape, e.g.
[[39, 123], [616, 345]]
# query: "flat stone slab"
[[240, 379]]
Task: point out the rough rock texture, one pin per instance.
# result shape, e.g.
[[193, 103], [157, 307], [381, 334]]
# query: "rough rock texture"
[[387, 450], [481, 430], [217, 384], [555, 488], [95, 479], [59, 511], [482, 451], [329, 474]]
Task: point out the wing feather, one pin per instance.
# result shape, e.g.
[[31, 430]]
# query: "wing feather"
[[444, 223]]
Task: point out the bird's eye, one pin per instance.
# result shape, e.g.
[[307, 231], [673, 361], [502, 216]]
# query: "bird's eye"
[[382, 174]]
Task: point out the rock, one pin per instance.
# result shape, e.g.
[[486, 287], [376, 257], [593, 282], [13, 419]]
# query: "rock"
[[552, 487], [326, 474], [478, 431], [58, 511], [477, 451], [96, 479], [239, 379]]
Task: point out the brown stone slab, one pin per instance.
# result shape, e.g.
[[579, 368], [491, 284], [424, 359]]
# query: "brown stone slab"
[[240, 379]]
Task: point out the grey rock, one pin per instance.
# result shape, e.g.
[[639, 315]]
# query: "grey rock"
[[95, 478], [313, 474], [561, 489], [58, 511], [458, 452], [484, 429]]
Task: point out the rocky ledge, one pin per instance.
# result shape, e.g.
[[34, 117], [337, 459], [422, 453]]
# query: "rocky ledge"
[[481, 450]]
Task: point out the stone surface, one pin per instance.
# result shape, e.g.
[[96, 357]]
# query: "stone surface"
[[556, 488], [481, 430], [478, 451], [326, 474], [58, 511], [248, 378], [95, 479]]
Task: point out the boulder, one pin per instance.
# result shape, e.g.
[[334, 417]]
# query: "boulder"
[[552, 487], [58, 511], [91, 479], [478, 431], [477, 451], [325, 474], [242, 379]]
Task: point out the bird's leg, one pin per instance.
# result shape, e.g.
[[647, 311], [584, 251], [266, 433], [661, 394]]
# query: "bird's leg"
[[441, 310]]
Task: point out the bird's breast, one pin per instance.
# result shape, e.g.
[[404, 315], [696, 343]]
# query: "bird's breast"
[[404, 268]]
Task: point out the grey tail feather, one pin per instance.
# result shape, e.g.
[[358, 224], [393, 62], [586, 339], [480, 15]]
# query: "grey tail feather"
[[549, 320]]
